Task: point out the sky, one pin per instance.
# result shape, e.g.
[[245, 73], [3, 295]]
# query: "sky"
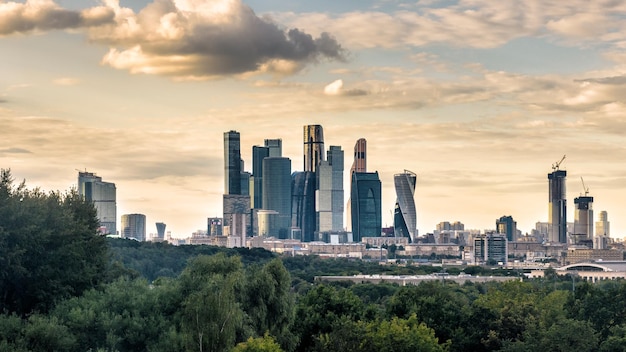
[[478, 97]]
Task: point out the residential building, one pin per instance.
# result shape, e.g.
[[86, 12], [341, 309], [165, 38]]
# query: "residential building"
[[103, 196]]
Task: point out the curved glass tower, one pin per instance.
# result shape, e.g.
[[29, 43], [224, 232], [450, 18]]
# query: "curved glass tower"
[[405, 216]]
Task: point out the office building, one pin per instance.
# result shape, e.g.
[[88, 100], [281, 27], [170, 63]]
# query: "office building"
[[277, 194], [234, 205], [405, 215], [603, 225], [134, 226], [490, 249], [160, 231], [275, 147], [583, 217], [313, 147], [508, 227], [330, 191], [232, 163], [103, 196], [214, 227], [256, 181], [303, 204], [359, 164], [557, 207], [447, 226], [366, 205]]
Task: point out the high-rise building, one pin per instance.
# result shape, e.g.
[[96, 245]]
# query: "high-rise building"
[[275, 147], [256, 190], [366, 205], [557, 207], [277, 194], [232, 163], [313, 147], [303, 204], [583, 217], [235, 205], [359, 164], [103, 196], [603, 226], [405, 215], [490, 248], [160, 231], [330, 191], [507, 226], [447, 226], [214, 226], [134, 226]]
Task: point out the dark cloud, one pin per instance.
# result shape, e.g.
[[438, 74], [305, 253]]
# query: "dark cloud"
[[204, 44], [46, 15]]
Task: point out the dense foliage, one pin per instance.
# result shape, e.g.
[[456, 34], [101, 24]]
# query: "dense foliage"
[[61, 291]]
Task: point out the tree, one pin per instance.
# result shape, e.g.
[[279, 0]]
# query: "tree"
[[49, 247], [259, 344]]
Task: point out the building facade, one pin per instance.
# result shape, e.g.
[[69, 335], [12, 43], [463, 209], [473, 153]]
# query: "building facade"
[[313, 147], [103, 195], [232, 163], [557, 207], [275, 147], [583, 217], [134, 226], [505, 225], [256, 188], [330, 191], [160, 231], [359, 164], [603, 227], [366, 205], [277, 193], [303, 204], [405, 215], [490, 248]]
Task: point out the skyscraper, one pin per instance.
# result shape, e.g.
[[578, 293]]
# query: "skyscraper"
[[313, 147], [232, 163], [303, 204], [583, 217], [275, 147], [160, 231], [277, 193], [103, 196], [507, 226], [330, 191], [359, 164], [134, 226], [405, 216], [366, 205], [557, 207], [256, 191]]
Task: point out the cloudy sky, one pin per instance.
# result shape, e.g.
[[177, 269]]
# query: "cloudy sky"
[[478, 97]]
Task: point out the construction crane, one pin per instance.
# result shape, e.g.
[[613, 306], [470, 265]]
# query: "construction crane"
[[585, 188], [556, 165]]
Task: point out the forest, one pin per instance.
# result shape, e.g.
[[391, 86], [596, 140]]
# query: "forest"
[[65, 288]]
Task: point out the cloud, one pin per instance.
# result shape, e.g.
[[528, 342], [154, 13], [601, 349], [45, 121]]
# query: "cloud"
[[15, 151], [44, 15], [471, 23], [203, 39], [336, 88]]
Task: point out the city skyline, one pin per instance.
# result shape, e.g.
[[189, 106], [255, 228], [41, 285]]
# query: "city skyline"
[[478, 98]]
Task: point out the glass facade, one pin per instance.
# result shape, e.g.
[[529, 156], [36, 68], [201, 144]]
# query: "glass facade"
[[134, 226], [330, 199], [405, 215], [277, 192], [557, 207], [583, 217], [303, 204], [313, 147], [232, 163], [366, 205], [256, 191]]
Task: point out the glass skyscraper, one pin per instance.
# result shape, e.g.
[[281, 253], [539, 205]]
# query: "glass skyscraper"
[[277, 194], [366, 205], [103, 196], [232, 163], [313, 147], [359, 164], [258, 154], [557, 207], [583, 217], [405, 216], [303, 204]]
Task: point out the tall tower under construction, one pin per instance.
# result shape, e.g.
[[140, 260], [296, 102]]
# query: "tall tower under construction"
[[557, 205]]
